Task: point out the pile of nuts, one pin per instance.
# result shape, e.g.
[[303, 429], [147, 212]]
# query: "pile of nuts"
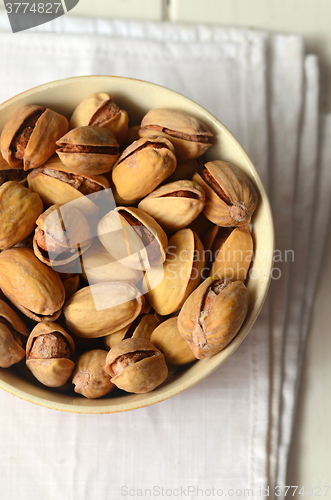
[[124, 254]]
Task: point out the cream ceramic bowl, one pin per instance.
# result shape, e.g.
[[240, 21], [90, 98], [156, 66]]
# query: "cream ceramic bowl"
[[138, 97]]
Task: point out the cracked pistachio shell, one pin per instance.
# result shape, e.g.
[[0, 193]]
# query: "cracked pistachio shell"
[[88, 150], [143, 166], [55, 184], [40, 144], [175, 205], [90, 378], [99, 265], [34, 288], [212, 316], [103, 308], [168, 286], [48, 370], [99, 110], [233, 255], [19, 209], [11, 328], [169, 341], [189, 135], [231, 198], [133, 237], [132, 374], [71, 285], [142, 328], [65, 233], [184, 171]]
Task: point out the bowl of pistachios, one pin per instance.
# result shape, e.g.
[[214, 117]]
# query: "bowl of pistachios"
[[136, 244]]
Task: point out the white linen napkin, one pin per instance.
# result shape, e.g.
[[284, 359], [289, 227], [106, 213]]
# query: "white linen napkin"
[[214, 435]]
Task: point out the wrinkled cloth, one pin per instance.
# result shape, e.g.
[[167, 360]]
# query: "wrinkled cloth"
[[233, 430]]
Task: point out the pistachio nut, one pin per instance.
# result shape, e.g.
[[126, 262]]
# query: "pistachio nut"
[[168, 286], [48, 350], [175, 205], [88, 150], [90, 378], [169, 341], [34, 288], [62, 235], [185, 170], [55, 184], [133, 135], [233, 255], [143, 166], [231, 198], [71, 284], [12, 332], [189, 135], [212, 316], [141, 328], [8, 173], [99, 265], [29, 137], [19, 209], [100, 110], [103, 308], [135, 365], [133, 237]]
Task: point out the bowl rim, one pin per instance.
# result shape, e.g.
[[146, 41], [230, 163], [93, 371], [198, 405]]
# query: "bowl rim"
[[213, 363]]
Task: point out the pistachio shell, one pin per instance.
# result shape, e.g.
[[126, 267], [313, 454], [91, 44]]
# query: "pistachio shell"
[[65, 233], [99, 265], [230, 196], [185, 170], [188, 134], [143, 166], [49, 127], [88, 150], [233, 255], [142, 327], [133, 237], [88, 113], [103, 308], [11, 327], [139, 376], [212, 316], [50, 370], [19, 209], [169, 286], [71, 285], [175, 205], [34, 288], [90, 378], [169, 341], [55, 184]]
